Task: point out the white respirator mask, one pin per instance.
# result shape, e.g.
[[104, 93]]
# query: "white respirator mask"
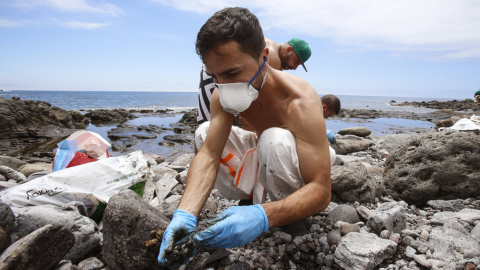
[[237, 97]]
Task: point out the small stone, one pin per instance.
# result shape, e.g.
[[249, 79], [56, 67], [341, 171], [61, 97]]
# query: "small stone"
[[328, 260], [420, 259], [424, 235], [395, 238], [320, 258], [409, 252], [271, 252], [281, 251], [407, 240], [91, 263], [385, 234], [347, 228]]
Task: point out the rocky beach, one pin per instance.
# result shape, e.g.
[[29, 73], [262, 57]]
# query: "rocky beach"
[[403, 201]]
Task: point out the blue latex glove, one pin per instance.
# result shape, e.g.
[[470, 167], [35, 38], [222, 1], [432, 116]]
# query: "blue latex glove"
[[236, 226], [331, 137], [182, 226]]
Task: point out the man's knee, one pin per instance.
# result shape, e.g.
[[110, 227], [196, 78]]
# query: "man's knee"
[[276, 140]]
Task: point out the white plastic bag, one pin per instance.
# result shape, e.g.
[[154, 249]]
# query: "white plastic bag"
[[92, 183]]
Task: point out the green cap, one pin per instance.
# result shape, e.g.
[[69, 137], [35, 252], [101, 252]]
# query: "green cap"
[[302, 49]]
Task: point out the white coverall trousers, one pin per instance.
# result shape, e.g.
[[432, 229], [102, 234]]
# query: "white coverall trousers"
[[249, 165]]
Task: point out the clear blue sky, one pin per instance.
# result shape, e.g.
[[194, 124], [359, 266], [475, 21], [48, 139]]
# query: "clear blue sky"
[[406, 48]]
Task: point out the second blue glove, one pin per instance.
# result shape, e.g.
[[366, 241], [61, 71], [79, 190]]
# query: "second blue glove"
[[236, 226], [331, 137]]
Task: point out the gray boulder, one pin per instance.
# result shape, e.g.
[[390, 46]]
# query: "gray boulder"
[[357, 131], [127, 223], [11, 162], [389, 216], [451, 245], [85, 230], [42, 249], [466, 215], [29, 169], [394, 141], [446, 205], [363, 251], [439, 165], [343, 212], [7, 220], [350, 144], [357, 181]]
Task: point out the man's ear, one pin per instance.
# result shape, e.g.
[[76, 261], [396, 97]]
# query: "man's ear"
[[265, 53], [288, 50]]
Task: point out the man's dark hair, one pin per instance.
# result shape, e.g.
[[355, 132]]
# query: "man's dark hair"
[[332, 102], [237, 24]]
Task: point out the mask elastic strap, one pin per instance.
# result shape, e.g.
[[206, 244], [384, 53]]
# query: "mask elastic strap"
[[260, 69]]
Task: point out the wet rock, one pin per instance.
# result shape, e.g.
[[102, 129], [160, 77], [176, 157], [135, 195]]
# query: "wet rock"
[[389, 216], [29, 169], [439, 165], [41, 249], [109, 116], [451, 245], [351, 144], [344, 213], [456, 105], [127, 223], [125, 132], [85, 230], [353, 182], [357, 131], [363, 251], [181, 139]]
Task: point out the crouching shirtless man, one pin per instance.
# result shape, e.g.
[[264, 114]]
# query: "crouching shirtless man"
[[287, 155]]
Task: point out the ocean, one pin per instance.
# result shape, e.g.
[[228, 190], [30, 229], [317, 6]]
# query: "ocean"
[[178, 101]]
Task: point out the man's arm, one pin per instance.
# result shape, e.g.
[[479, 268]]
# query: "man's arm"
[[204, 166], [314, 161]]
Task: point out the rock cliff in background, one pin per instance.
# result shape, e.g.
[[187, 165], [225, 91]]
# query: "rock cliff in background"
[[439, 165], [26, 123]]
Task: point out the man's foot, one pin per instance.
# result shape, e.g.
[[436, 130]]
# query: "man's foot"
[[298, 228], [245, 202]]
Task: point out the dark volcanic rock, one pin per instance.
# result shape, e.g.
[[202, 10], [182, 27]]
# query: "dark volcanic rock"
[[127, 223], [26, 123], [457, 105], [42, 249], [110, 116], [439, 165]]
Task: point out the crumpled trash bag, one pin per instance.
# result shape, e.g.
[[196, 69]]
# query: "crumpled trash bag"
[[463, 124], [79, 148]]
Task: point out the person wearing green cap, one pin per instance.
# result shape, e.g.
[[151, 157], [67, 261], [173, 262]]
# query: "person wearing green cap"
[[282, 56], [477, 96]]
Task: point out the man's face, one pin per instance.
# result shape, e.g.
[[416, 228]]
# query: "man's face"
[[291, 61], [227, 63]]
